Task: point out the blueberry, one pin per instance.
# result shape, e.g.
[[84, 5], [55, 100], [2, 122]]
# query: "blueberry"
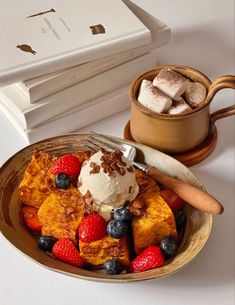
[[113, 266], [122, 214], [180, 219], [168, 246], [117, 228], [62, 181], [46, 243]]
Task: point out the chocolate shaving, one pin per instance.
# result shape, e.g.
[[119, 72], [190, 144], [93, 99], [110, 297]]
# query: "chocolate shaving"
[[120, 163], [130, 189], [95, 168], [103, 150], [88, 202], [112, 174], [122, 171], [69, 211], [130, 169], [137, 206], [112, 163]]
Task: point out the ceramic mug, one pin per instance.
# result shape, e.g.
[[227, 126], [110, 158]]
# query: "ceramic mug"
[[177, 133]]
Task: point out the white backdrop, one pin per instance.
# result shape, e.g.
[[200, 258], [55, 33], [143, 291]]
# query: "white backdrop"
[[203, 38]]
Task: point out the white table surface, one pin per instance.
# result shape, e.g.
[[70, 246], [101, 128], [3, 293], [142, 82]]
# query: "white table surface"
[[202, 37]]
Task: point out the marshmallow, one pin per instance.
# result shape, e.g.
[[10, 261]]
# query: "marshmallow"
[[152, 98], [179, 106], [171, 83], [195, 94]]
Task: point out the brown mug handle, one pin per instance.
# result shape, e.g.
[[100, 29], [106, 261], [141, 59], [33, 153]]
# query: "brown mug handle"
[[222, 82]]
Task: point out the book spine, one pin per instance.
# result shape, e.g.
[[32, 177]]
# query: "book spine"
[[97, 110], [13, 122], [11, 107], [87, 90], [75, 75]]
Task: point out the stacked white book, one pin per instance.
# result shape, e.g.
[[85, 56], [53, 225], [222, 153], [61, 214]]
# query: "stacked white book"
[[68, 66]]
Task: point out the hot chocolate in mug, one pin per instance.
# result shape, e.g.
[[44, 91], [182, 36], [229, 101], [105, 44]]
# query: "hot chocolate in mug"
[[182, 132]]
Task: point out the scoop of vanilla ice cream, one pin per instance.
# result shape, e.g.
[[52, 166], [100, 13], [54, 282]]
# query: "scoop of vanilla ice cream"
[[110, 180]]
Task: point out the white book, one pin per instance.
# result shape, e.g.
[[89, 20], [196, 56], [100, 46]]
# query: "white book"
[[97, 109], [33, 114], [42, 86], [40, 37]]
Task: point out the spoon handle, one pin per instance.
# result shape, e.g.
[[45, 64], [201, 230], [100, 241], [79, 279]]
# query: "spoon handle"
[[191, 194]]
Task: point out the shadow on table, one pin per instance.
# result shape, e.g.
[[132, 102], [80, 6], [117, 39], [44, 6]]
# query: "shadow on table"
[[225, 140], [200, 47]]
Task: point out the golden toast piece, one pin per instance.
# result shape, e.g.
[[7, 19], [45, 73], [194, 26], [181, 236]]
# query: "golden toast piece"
[[144, 181], [99, 251], [61, 213], [155, 221], [33, 188]]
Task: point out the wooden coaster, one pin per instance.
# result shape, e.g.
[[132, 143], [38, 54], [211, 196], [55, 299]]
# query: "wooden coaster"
[[192, 157]]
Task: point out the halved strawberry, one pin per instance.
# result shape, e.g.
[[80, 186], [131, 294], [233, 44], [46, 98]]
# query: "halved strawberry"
[[172, 199], [149, 258], [31, 218], [67, 164], [93, 227], [65, 250]]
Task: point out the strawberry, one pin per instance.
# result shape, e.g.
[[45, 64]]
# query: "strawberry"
[[65, 250], [67, 164], [149, 258], [31, 218], [172, 199], [93, 227]]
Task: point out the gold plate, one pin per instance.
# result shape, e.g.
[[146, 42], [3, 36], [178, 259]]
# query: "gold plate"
[[197, 230]]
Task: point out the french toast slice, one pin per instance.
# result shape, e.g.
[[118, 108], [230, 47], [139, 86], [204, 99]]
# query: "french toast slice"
[[33, 188], [99, 251], [61, 213], [144, 181], [154, 221], [83, 155]]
